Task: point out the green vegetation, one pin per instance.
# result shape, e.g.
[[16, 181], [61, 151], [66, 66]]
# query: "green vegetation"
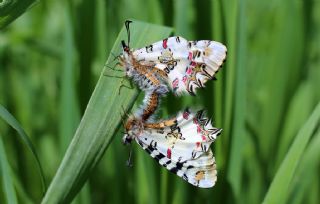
[[68, 113]]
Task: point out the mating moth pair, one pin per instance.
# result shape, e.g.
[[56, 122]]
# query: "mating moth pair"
[[180, 144]]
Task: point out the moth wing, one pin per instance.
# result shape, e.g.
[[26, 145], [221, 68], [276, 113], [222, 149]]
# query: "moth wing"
[[188, 64], [199, 172], [188, 139]]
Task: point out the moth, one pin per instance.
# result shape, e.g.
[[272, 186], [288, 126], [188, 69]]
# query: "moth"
[[173, 63], [180, 144]]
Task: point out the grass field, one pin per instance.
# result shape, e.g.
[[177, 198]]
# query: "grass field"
[[60, 111]]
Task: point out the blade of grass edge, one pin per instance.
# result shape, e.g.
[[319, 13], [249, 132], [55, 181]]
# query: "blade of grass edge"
[[287, 169], [10, 10], [7, 181], [100, 121], [306, 172], [6, 116], [238, 121]]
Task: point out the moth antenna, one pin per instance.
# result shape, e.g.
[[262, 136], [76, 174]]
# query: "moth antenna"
[[127, 23]]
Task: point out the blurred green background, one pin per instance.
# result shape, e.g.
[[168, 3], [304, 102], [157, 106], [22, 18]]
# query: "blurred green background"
[[52, 56]]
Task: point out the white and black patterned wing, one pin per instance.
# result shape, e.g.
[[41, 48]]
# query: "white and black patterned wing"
[[190, 136], [188, 64], [199, 172]]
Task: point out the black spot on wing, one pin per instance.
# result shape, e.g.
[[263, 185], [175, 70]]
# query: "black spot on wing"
[[174, 170], [185, 177], [141, 143], [179, 165], [159, 156], [148, 150], [190, 167]]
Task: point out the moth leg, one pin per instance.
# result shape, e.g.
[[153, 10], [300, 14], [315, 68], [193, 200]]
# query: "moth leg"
[[116, 57], [124, 85], [114, 67], [129, 161], [107, 75]]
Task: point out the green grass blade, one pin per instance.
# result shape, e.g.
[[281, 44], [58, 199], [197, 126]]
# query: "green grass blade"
[[145, 179], [279, 188], [230, 11], [12, 9], [100, 121], [6, 116], [7, 181], [295, 117], [238, 124], [69, 108], [307, 171]]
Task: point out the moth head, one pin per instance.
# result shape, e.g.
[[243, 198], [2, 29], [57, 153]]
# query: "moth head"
[[125, 47], [133, 128], [126, 139], [126, 58]]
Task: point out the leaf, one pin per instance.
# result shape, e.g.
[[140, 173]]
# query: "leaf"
[[306, 172], [12, 9], [283, 177], [101, 119], [7, 179], [238, 133], [6, 116]]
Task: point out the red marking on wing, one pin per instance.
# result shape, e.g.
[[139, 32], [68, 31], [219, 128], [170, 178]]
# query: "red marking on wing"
[[184, 79], [164, 43], [204, 138], [195, 121], [198, 144], [185, 115], [169, 153], [175, 83], [193, 64], [189, 71], [190, 56], [198, 129]]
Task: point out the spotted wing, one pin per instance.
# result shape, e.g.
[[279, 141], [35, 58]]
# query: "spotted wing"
[[188, 64], [199, 172], [188, 138]]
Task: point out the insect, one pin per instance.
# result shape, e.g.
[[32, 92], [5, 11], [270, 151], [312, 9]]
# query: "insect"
[[180, 144], [173, 63], [143, 114]]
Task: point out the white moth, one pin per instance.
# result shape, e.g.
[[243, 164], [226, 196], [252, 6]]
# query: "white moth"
[[181, 144], [174, 62]]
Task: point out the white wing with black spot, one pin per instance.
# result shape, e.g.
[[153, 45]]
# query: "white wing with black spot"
[[184, 147], [199, 172]]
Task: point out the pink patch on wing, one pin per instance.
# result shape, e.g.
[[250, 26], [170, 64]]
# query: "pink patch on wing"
[[190, 56], [198, 129], [204, 138], [164, 43], [175, 83], [193, 64], [195, 121], [169, 153], [189, 70], [185, 115], [184, 79]]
